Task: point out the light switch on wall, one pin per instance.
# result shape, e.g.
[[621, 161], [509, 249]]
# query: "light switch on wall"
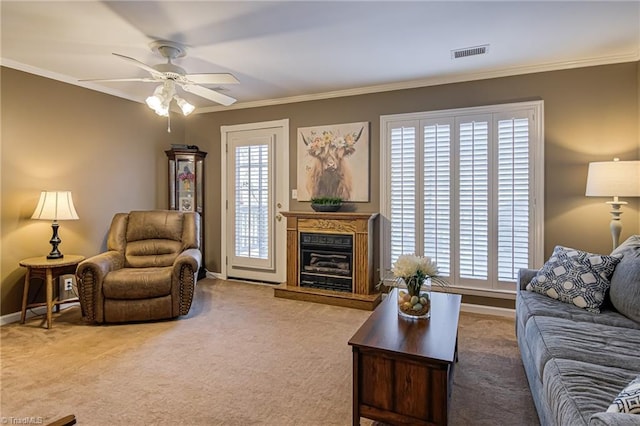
[[294, 194]]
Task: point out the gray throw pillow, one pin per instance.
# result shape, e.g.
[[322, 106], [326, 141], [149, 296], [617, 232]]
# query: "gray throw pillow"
[[625, 281], [575, 276]]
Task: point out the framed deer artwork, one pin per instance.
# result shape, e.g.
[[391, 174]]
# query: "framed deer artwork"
[[333, 161]]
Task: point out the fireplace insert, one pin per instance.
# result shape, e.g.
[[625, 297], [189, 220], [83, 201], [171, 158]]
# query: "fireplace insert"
[[326, 261]]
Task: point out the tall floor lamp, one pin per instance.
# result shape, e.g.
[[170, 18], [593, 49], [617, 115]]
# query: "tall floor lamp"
[[614, 179], [55, 205]]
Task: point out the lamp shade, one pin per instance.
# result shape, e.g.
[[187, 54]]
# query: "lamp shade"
[[55, 205], [614, 179], [185, 106]]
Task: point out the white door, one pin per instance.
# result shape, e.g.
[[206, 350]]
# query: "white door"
[[256, 186]]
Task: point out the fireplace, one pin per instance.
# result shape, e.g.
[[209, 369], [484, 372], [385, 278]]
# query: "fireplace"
[[330, 259], [326, 261]]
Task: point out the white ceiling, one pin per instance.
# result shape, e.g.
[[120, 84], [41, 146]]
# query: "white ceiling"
[[295, 50]]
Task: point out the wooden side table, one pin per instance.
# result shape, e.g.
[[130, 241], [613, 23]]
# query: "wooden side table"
[[49, 269]]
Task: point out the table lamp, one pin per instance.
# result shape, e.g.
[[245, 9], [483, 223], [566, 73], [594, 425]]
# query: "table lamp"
[[55, 205], [614, 179]]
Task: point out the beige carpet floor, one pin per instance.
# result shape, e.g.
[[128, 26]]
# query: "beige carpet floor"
[[241, 357]]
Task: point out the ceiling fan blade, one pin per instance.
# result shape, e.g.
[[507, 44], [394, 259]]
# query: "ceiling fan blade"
[[152, 71], [212, 95], [97, 80], [212, 78]]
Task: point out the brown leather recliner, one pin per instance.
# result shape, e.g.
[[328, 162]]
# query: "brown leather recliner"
[[149, 271]]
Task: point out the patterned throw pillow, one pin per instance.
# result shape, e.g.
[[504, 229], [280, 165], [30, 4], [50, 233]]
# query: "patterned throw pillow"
[[574, 276], [627, 401]]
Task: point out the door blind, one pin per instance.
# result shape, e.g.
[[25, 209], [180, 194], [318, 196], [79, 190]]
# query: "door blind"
[[252, 201]]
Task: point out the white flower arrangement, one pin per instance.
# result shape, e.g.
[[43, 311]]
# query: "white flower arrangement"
[[410, 266], [412, 271]]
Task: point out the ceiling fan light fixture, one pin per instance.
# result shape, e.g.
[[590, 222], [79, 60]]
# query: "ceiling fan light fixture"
[[156, 100], [185, 106], [162, 111], [161, 98], [158, 105], [170, 75]]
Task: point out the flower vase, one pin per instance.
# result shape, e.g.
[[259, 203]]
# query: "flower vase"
[[414, 298]]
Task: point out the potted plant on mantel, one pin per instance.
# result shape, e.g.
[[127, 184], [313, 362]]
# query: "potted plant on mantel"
[[326, 204]]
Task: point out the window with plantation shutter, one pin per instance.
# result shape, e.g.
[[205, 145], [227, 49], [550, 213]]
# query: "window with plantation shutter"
[[513, 197], [403, 183], [473, 199], [437, 194], [464, 187]]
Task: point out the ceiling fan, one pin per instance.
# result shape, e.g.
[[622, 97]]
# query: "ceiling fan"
[[171, 75]]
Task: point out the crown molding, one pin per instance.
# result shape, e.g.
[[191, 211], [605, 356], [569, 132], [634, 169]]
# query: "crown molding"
[[64, 78], [412, 84], [433, 81]]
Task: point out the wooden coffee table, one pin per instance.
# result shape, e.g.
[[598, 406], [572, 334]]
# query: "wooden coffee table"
[[403, 369]]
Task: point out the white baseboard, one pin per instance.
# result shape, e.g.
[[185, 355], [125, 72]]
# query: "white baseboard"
[[31, 312], [466, 307], [488, 310], [214, 275]]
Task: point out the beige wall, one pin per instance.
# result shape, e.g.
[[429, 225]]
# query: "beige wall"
[[591, 114], [106, 150], [109, 152]]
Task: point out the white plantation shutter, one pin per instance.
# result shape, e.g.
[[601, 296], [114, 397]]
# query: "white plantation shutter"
[[437, 194], [513, 197], [403, 186], [473, 205], [464, 187]]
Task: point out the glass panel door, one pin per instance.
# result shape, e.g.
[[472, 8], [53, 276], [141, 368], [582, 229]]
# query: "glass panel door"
[[257, 185]]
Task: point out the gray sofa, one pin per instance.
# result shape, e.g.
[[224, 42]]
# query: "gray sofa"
[[576, 361]]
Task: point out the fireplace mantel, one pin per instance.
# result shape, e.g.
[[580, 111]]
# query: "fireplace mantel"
[[359, 225]]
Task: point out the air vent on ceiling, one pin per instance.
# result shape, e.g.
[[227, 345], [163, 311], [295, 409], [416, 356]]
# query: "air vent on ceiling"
[[469, 51]]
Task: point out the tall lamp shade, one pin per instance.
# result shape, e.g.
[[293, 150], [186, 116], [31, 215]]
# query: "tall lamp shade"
[[55, 206], [614, 179]]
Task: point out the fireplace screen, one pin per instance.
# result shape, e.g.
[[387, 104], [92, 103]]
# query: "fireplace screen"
[[326, 261]]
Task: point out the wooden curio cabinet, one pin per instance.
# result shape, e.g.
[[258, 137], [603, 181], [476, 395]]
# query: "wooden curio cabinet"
[[186, 186]]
